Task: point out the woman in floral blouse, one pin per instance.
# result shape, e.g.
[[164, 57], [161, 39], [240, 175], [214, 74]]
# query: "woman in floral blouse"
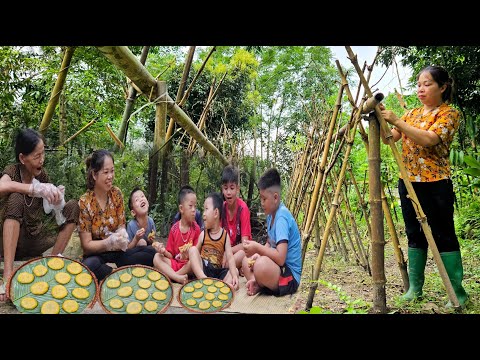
[[427, 133], [102, 221]]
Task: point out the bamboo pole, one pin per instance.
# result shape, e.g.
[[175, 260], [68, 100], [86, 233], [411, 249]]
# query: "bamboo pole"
[[158, 141], [411, 192], [57, 89], [363, 254], [114, 137], [336, 227], [358, 254], [187, 93], [333, 209], [377, 241], [78, 132], [386, 209], [181, 90], [122, 58], [129, 102], [315, 195]]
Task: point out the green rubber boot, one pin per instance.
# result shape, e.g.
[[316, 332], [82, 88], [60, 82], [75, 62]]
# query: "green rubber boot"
[[453, 264], [417, 258]]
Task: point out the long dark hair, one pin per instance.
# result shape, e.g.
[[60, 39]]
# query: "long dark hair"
[[94, 164], [26, 141], [441, 77]]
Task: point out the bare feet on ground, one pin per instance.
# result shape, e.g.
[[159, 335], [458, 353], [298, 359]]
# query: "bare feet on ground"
[[252, 287], [181, 279]]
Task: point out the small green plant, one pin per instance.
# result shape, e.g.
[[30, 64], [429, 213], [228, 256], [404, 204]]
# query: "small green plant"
[[357, 306]]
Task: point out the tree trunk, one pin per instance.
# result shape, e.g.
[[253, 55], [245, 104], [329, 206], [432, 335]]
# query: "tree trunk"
[[57, 89], [132, 94]]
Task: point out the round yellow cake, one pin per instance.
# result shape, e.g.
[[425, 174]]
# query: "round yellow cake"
[[56, 264], [191, 302], [204, 305], [212, 289], [217, 303], [70, 306], [39, 288], [151, 306], [138, 272], [197, 285], [154, 276], [141, 294], [28, 303], [83, 279], [125, 277], [80, 293], [134, 308], [74, 268], [223, 297], [113, 283], [25, 278], [162, 284], [50, 307], [197, 294], [189, 289], [40, 270], [125, 291], [62, 277], [225, 290], [144, 283], [116, 303], [158, 295], [59, 291], [208, 282], [209, 296], [219, 284]]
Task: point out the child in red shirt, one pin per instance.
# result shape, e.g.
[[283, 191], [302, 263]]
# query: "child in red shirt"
[[173, 260], [236, 219]]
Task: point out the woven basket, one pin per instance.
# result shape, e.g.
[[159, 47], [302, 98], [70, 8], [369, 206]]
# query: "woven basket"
[[182, 295], [14, 287], [104, 290]]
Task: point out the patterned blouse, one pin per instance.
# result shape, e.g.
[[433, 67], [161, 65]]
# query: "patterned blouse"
[[101, 222], [427, 164]]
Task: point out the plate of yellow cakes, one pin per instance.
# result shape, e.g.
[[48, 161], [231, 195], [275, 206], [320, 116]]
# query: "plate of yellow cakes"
[[53, 285], [135, 289], [207, 295]]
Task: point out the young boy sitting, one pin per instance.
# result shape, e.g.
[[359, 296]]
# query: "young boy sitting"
[[276, 267], [213, 245], [173, 260], [236, 215], [141, 229]]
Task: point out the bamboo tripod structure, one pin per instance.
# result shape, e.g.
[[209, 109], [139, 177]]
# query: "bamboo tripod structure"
[[411, 192]]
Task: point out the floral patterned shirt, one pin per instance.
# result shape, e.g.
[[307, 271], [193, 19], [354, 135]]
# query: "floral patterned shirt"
[[101, 222], [427, 164]]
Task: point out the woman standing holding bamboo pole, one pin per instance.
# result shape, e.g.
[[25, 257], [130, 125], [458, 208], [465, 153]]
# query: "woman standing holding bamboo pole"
[[427, 133]]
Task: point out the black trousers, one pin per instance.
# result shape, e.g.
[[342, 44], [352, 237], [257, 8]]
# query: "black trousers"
[[139, 255], [437, 199]]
